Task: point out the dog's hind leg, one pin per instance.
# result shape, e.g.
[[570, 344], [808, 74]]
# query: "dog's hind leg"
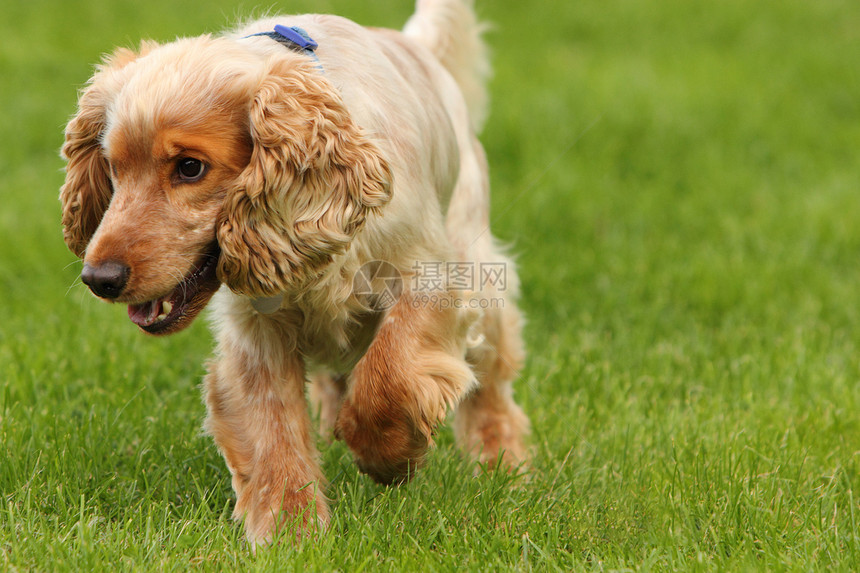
[[488, 424], [325, 394]]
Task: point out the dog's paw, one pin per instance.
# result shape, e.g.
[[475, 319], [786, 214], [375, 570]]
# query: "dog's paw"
[[491, 429], [272, 510], [386, 443]]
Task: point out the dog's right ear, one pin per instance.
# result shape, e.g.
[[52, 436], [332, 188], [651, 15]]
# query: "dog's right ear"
[[87, 191]]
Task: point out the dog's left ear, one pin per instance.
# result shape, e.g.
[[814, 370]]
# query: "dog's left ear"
[[87, 191], [313, 178]]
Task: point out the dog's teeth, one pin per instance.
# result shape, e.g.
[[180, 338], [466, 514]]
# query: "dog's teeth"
[[166, 307]]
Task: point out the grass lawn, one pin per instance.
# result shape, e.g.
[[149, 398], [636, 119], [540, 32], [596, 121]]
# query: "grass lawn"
[[680, 183]]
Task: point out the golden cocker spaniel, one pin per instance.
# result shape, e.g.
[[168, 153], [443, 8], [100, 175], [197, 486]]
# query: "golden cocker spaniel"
[[275, 169]]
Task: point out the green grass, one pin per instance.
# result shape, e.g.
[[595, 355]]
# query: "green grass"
[[679, 182]]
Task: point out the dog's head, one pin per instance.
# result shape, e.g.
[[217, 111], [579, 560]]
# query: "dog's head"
[[197, 163]]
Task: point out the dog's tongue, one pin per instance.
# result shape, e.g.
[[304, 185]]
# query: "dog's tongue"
[[144, 314]]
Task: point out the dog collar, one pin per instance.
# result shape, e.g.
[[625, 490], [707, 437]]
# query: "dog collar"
[[294, 38]]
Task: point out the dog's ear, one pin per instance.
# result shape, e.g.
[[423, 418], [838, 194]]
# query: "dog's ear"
[[312, 179], [87, 191]]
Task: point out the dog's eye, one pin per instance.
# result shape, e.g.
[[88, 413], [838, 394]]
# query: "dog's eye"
[[190, 169]]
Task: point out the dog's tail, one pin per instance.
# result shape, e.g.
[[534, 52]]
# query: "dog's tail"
[[450, 29]]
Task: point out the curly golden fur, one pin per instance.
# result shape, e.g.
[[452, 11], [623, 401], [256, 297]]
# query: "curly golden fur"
[[232, 169]]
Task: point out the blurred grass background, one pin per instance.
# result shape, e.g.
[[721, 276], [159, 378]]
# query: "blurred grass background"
[[679, 181]]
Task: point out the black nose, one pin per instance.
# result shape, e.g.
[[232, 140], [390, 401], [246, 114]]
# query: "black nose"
[[107, 279]]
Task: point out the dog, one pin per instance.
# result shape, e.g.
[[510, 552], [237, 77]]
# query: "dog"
[[268, 171]]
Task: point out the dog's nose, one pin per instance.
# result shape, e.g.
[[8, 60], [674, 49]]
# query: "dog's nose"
[[107, 279]]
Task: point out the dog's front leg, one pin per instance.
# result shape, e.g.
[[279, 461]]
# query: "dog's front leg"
[[412, 373], [259, 419]]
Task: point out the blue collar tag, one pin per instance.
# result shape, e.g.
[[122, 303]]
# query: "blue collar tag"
[[297, 36], [293, 38]]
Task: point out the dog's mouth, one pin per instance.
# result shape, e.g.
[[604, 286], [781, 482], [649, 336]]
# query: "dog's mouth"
[[177, 309]]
